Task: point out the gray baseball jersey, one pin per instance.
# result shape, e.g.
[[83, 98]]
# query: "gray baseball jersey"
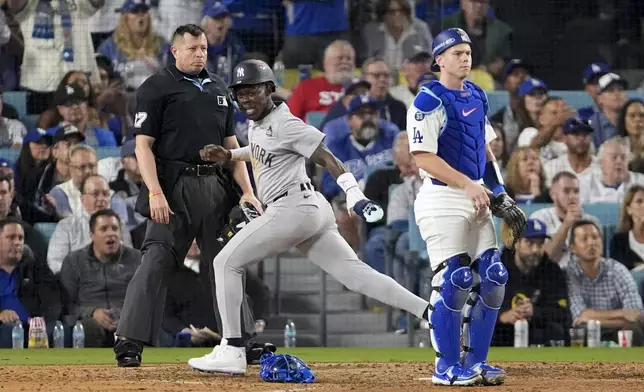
[[279, 144], [301, 218]]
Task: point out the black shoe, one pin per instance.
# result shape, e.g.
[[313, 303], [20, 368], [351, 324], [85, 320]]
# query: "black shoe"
[[255, 351], [128, 352]]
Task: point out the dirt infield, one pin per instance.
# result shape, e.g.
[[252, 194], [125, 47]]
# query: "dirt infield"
[[393, 377]]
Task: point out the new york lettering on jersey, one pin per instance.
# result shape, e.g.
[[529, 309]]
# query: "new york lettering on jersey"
[[261, 155]]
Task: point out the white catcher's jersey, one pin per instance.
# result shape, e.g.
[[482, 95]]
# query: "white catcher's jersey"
[[279, 144]]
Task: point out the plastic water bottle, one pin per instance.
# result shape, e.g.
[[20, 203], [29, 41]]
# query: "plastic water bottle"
[[59, 335], [78, 335], [521, 338], [18, 336], [278, 71], [290, 334], [594, 333]]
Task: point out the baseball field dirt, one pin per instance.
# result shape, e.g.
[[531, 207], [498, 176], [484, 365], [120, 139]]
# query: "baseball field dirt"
[[393, 377]]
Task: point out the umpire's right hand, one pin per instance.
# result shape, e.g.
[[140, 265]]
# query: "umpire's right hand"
[[159, 209]]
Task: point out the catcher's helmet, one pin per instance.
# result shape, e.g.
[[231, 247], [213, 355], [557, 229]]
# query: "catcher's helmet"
[[238, 218], [250, 72], [445, 40]]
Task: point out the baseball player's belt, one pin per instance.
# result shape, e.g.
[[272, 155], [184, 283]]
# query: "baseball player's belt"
[[303, 187]]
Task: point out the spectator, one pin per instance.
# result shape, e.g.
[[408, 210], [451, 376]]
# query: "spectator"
[[577, 160], [613, 179], [395, 35], [52, 117], [548, 135], [73, 106], [514, 73], [352, 88], [135, 50], [72, 233], [12, 48], [225, 50], [534, 94], [562, 215], [103, 22], [314, 25], [11, 131], [188, 302], [127, 186], [592, 73], [601, 289], [34, 157], [536, 291], [37, 204], [630, 124], [320, 93], [610, 99], [498, 146], [96, 276], [491, 38], [525, 180], [627, 245], [27, 285], [377, 73], [56, 41], [415, 70], [112, 101], [32, 238]]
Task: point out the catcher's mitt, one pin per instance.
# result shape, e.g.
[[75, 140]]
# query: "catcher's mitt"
[[502, 206]]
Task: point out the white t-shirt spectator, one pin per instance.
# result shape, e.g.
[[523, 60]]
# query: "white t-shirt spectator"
[[558, 165], [550, 151], [11, 132], [592, 190], [43, 66]]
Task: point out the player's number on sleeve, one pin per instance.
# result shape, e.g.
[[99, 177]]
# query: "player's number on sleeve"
[[418, 138], [139, 118]]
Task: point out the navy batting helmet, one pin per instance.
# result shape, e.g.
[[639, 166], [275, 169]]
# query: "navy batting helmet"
[[250, 72], [445, 40]]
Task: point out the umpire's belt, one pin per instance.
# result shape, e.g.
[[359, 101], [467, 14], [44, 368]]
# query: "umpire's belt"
[[194, 170], [295, 189]]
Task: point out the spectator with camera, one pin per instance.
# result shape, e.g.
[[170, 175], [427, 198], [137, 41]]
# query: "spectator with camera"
[[96, 277], [73, 233], [602, 289], [536, 290], [28, 287]]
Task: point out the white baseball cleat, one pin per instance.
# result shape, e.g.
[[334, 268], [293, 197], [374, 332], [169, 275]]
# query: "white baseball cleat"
[[222, 359]]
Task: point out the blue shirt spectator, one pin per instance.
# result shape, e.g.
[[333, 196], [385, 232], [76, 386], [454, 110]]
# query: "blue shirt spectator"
[[610, 97], [225, 50], [592, 73]]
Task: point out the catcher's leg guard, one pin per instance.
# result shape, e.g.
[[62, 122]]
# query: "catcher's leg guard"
[[450, 287], [480, 315]]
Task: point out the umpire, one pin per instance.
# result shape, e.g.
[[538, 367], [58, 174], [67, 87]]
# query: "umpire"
[[179, 110]]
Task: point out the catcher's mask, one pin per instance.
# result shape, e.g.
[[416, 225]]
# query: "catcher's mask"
[[284, 368], [237, 219]]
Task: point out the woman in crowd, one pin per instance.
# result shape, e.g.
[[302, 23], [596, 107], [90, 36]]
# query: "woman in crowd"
[[533, 94], [525, 180], [498, 145], [627, 245], [135, 50], [630, 124], [34, 157]]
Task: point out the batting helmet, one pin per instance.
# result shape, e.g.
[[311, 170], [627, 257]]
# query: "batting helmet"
[[445, 40], [250, 72], [238, 218]]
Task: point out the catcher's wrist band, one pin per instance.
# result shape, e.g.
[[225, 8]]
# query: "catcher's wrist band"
[[347, 181], [493, 178]]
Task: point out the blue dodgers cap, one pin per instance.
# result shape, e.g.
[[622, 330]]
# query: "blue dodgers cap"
[[215, 9], [36, 136], [595, 70], [134, 6], [4, 162], [576, 125], [529, 85], [445, 40], [361, 100], [534, 228], [514, 64]]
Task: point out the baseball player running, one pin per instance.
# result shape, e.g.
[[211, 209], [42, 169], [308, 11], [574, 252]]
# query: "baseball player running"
[[296, 215], [449, 135]]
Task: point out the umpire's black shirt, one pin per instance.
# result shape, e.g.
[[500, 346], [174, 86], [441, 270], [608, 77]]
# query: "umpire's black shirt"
[[183, 113]]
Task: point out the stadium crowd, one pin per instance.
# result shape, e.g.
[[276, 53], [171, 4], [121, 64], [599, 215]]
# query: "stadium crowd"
[[70, 238]]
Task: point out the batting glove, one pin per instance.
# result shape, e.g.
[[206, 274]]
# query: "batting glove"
[[369, 211]]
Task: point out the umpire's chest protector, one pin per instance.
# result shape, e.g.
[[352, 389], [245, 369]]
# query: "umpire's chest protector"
[[461, 143]]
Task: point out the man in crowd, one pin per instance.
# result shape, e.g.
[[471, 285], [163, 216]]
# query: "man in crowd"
[[377, 72], [592, 73], [416, 71], [535, 292], [353, 87], [578, 160], [610, 99], [95, 278], [73, 232], [602, 289]]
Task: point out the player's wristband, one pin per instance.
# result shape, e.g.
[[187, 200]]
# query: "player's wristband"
[[347, 181], [493, 179]]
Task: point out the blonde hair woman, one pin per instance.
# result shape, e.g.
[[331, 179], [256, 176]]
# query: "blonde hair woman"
[[135, 50], [525, 180], [627, 245]]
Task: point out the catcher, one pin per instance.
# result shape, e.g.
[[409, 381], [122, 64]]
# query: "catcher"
[[448, 135]]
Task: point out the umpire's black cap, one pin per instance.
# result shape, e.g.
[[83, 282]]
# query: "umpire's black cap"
[[250, 72]]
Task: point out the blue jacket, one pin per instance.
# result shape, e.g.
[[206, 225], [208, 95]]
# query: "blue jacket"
[[311, 17], [356, 157], [104, 137]]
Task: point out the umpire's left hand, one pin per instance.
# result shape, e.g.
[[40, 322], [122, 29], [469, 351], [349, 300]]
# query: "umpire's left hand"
[[159, 209]]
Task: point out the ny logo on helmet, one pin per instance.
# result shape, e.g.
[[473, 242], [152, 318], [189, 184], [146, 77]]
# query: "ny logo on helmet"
[[240, 72]]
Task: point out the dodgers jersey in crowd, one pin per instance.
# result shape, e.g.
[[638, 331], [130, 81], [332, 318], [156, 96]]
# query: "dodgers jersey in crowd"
[[279, 144], [452, 124]]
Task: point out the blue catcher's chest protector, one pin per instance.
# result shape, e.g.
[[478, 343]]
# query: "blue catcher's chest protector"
[[461, 143]]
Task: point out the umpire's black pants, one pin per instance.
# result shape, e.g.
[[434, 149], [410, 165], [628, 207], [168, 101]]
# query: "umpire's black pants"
[[201, 206]]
